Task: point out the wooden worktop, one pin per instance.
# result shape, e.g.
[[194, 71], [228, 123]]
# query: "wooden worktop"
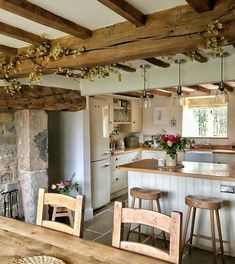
[[212, 171]]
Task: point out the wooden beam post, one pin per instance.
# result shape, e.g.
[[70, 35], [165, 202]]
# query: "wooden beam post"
[[125, 67], [158, 62], [125, 10], [42, 98], [7, 50]]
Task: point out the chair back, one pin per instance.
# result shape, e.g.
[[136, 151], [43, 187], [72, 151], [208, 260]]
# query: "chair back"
[[77, 205], [171, 224]]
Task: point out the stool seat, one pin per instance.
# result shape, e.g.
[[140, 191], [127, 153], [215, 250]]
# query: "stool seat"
[[145, 194], [203, 202]]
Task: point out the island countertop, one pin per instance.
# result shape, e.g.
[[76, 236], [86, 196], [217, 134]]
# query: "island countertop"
[[211, 171]]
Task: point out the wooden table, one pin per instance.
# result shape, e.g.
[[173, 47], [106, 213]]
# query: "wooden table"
[[19, 239]]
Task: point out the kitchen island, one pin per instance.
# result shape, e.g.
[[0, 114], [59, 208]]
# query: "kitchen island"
[[195, 178]]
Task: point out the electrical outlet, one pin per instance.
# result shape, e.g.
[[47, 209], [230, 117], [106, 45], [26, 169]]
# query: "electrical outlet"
[[227, 189]]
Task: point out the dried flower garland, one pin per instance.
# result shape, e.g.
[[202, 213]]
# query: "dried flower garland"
[[40, 56]]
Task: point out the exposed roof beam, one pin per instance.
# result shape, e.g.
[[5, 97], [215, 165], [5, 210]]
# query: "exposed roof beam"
[[160, 92], [201, 6], [125, 10], [42, 98], [198, 57], [122, 42], [125, 67], [158, 62], [20, 34], [37, 14], [174, 90], [200, 89], [7, 50]]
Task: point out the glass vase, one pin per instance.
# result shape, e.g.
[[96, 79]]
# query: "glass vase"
[[171, 159]]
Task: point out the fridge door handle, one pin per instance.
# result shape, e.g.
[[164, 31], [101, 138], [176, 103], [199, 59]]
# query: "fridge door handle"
[[106, 165]]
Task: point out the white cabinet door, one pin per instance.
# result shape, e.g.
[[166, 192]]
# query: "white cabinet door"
[[147, 154], [100, 179], [136, 116], [224, 158]]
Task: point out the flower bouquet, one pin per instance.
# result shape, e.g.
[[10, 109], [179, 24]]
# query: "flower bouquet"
[[65, 187], [172, 144]]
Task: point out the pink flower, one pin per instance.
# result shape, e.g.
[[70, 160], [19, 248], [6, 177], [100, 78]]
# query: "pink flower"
[[61, 185], [68, 181]]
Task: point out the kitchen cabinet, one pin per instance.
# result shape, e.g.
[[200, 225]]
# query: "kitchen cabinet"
[[224, 158], [158, 154], [136, 122], [119, 179]]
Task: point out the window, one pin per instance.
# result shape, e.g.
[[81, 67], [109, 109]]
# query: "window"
[[203, 118]]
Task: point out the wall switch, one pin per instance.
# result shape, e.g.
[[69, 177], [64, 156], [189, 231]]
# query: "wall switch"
[[227, 189]]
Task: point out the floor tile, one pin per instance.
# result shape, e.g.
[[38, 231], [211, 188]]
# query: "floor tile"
[[89, 235], [106, 239]]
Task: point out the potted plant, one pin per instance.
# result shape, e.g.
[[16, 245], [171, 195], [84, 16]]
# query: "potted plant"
[[172, 144], [67, 187]]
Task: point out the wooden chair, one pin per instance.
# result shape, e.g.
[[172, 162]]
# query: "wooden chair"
[[77, 205], [172, 225]]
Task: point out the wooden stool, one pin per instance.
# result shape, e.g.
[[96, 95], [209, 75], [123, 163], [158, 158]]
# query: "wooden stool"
[[203, 203], [61, 212], [145, 194]]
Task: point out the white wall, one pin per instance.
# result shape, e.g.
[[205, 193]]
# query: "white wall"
[[175, 112]]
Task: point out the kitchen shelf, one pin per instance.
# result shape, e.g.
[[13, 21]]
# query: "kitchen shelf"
[[121, 108], [122, 123]]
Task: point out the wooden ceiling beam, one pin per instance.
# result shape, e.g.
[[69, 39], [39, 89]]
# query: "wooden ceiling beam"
[[198, 57], [201, 6], [124, 67], [37, 14], [200, 89], [20, 34], [174, 90], [6, 50], [123, 42], [160, 92], [158, 62], [125, 10], [43, 98]]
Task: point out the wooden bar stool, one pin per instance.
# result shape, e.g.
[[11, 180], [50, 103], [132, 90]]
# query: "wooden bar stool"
[[151, 196], [211, 204]]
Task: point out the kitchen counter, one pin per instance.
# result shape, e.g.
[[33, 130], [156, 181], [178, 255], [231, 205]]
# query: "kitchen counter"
[[202, 179], [211, 171]]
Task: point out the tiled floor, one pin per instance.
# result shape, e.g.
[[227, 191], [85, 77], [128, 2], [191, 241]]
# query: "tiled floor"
[[99, 229]]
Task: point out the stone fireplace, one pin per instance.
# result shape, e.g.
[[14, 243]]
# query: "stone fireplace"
[[24, 157]]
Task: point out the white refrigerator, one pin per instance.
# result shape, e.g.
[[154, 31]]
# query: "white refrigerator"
[[100, 153]]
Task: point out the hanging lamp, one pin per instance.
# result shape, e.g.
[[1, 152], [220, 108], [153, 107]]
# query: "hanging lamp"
[[222, 93], [179, 98], [145, 97]]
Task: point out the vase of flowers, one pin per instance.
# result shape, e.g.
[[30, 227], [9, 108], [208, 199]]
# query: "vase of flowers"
[[67, 187], [172, 144]]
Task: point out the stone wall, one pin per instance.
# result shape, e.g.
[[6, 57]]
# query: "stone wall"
[[8, 153]]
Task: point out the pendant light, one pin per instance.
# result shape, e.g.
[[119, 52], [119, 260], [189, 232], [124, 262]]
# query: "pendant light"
[[221, 93], [145, 97], [179, 98]]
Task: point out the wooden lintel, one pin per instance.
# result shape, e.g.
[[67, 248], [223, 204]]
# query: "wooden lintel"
[[37, 14], [200, 89], [135, 94], [125, 10], [43, 98], [158, 62], [124, 67], [6, 50], [201, 5], [160, 92], [123, 42], [20, 34]]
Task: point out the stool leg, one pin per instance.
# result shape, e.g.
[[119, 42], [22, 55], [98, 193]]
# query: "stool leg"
[[192, 228], [129, 226], [159, 210], [70, 217], [220, 235], [54, 213], [213, 235], [140, 206], [151, 208], [186, 228]]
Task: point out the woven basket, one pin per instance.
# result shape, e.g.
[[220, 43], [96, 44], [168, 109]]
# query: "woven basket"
[[39, 260]]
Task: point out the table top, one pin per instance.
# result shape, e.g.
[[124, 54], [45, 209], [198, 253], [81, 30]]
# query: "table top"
[[211, 171], [19, 239]]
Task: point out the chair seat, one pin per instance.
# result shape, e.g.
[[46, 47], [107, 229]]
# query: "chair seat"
[[203, 202], [146, 194]]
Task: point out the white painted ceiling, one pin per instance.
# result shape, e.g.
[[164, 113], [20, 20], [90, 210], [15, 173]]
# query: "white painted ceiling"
[[88, 13]]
